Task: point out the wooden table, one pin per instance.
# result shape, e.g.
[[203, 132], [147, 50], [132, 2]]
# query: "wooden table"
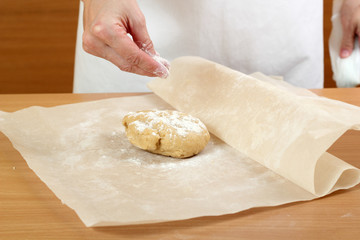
[[29, 210]]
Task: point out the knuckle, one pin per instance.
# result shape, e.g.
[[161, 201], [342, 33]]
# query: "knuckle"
[[126, 68], [133, 59], [87, 43], [99, 30], [147, 44], [346, 41], [347, 45]]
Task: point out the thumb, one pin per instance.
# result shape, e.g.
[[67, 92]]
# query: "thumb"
[[347, 43]]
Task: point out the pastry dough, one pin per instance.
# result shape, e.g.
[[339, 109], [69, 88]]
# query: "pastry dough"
[[169, 133]]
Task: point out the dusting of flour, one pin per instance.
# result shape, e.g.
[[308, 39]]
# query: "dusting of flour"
[[182, 124]]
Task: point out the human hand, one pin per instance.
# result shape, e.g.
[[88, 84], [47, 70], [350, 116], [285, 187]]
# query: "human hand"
[[350, 20], [107, 24]]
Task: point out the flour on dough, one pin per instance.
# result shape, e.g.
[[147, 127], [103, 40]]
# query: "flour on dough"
[[169, 133]]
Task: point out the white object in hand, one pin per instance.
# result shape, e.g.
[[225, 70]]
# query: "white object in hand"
[[346, 70]]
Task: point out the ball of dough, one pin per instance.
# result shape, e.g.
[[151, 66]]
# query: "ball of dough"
[[169, 133]]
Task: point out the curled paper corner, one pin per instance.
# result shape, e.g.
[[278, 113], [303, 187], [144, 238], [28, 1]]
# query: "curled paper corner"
[[332, 174], [284, 126]]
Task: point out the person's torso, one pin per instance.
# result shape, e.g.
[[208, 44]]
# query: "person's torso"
[[278, 37]]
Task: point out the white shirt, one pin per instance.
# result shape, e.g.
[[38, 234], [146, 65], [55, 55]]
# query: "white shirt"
[[278, 37]]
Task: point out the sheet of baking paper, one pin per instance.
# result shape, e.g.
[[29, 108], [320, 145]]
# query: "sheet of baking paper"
[[284, 128], [80, 151]]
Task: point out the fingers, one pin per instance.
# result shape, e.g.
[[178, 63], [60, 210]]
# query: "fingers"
[[98, 48], [161, 60], [139, 33], [347, 43], [351, 26], [118, 48], [107, 25], [142, 39]]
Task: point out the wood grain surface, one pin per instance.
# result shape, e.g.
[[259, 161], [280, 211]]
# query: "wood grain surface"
[[29, 210], [327, 25], [37, 45]]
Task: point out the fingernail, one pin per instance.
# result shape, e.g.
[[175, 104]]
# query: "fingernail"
[[344, 53], [162, 72], [165, 63]]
